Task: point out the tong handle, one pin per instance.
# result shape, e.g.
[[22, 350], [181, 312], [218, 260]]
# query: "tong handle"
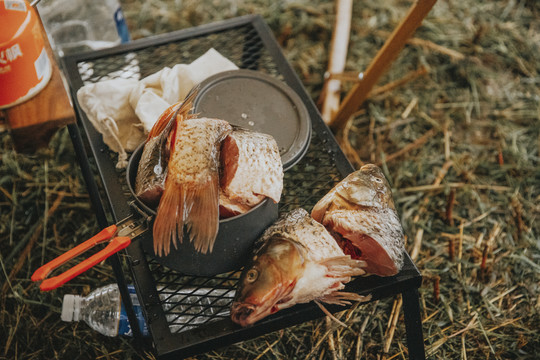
[[114, 246], [100, 237]]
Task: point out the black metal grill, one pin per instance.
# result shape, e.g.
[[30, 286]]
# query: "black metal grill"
[[251, 54], [190, 314]]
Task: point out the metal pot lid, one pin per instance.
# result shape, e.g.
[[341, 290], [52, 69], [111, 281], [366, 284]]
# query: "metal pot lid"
[[259, 102]]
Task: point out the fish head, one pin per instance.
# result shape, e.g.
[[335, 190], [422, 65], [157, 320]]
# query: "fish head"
[[366, 187], [267, 282]]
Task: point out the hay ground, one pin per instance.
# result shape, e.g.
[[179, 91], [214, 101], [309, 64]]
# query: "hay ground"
[[460, 146]]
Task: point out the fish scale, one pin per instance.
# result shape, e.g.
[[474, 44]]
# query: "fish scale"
[[196, 155], [310, 234], [252, 168]]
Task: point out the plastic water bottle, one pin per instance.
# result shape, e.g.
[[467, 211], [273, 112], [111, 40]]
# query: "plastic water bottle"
[[103, 311], [185, 309], [82, 25]]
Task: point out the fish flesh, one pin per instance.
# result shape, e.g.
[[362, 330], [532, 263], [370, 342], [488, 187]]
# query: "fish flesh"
[[229, 208], [296, 260], [191, 191], [251, 171], [359, 211], [152, 167]]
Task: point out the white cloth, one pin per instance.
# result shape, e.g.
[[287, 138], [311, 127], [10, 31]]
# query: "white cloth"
[[124, 111], [106, 105]]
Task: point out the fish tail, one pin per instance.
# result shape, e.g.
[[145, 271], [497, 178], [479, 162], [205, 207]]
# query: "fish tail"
[[202, 218], [169, 221]]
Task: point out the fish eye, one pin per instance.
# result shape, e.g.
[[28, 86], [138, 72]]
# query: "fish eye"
[[252, 275]]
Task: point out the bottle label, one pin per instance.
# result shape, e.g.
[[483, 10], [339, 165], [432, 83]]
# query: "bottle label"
[[124, 327]]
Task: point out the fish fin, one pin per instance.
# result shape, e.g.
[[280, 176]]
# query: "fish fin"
[[344, 298], [329, 314], [202, 219], [169, 221], [320, 208], [163, 120], [181, 109], [344, 266]]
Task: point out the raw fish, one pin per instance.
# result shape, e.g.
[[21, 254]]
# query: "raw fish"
[[359, 211], [191, 194], [251, 171], [296, 261], [152, 168]]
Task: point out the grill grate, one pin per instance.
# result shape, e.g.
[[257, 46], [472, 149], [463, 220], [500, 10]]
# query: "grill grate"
[[190, 314], [137, 65], [304, 184], [188, 301]]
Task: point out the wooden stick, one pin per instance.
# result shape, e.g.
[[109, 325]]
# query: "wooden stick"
[[456, 185], [348, 149], [382, 60], [338, 56], [417, 243], [357, 77], [415, 144], [393, 323], [453, 54], [353, 76], [331, 342], [405, 114], [411, 75]]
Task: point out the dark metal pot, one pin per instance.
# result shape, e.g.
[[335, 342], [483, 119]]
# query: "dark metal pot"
[[258, 102], [234, 240]]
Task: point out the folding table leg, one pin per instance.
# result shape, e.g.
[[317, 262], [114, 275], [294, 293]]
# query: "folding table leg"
[[413, 324]]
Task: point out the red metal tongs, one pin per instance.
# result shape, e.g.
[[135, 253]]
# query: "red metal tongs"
[[116, 244]]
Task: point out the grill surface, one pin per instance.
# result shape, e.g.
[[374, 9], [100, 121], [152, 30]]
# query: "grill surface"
[[190, 314]]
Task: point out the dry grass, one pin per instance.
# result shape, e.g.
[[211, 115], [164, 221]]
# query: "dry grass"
[[460, 146]]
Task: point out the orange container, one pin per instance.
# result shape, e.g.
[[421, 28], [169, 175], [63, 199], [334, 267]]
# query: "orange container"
[[25, 67]]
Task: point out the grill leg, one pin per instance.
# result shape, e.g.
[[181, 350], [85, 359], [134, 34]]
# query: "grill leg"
[[97, 205], [413, 324]]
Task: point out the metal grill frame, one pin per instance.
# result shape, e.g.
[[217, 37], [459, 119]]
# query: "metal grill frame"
[[109, 200]]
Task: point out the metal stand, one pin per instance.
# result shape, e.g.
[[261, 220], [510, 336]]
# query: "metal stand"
[[413, 324], [248, 42]]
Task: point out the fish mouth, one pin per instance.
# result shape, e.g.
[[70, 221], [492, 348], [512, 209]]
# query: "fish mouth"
[[240, 313], [247, 314]]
